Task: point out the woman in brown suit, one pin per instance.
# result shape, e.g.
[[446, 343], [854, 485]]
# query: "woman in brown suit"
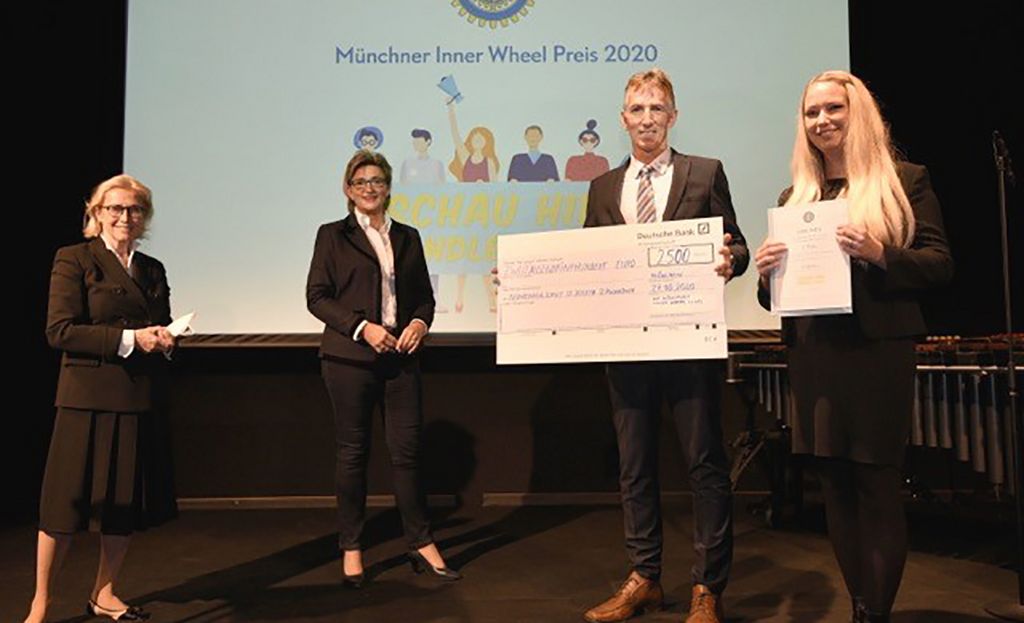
[[108, 310]]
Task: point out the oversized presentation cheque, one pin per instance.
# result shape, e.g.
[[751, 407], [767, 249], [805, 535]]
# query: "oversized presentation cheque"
[[625, 293]]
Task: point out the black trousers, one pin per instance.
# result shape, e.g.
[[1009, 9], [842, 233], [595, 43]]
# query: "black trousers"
[[393, 382], [692, 391]]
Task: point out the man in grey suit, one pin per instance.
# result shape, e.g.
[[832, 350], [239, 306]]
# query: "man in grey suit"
[[659, 184]]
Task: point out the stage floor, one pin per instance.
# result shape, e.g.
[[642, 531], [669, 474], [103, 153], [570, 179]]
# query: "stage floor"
[[544, 564]]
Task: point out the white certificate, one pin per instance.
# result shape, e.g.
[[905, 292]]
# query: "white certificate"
[[814, 276], [181, 325], [625, 293]]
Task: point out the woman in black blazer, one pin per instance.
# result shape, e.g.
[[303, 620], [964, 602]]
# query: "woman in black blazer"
[[107, 469], [368, 283], [853, 375]]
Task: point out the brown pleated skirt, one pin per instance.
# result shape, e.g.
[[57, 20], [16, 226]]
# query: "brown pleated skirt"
[[107, 472]]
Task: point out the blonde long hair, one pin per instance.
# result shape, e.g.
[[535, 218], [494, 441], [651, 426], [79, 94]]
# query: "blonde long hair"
[[876, 198]]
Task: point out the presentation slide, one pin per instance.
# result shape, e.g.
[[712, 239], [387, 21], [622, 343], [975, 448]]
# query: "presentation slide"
[[241, 116]]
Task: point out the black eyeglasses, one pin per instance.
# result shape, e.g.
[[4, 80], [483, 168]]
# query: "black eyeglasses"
[[376, 182], [134, 212]]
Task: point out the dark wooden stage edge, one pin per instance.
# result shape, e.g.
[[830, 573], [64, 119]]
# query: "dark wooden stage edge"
[[312, 340]]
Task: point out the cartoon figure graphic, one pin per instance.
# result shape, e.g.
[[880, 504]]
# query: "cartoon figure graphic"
[[420, 168], [475, 158], [588, 165], [533, 166], [475, 161], [369, 138]]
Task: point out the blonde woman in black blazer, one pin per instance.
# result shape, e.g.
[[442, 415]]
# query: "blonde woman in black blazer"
[[853, 375], [368, 283], [107, 469]]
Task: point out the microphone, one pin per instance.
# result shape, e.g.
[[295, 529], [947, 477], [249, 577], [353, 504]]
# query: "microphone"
[[1002, 156]]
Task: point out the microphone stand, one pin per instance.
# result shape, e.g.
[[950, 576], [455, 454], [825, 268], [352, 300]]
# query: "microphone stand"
[[1011, 611]]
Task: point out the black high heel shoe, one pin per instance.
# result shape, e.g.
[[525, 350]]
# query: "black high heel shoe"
[[420, 564], [353, 581], [131, 613]]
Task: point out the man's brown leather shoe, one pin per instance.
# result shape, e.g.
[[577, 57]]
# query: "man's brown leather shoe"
[[705, 607], [636, 595]]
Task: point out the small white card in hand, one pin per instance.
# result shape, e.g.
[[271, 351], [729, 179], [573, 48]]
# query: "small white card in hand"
[[182, 325]]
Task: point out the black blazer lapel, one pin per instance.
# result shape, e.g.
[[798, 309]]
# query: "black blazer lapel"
[[146, 274], [350, 229], [615, 205], [142, 276], [399, 241], [680, 176], [116, 273]]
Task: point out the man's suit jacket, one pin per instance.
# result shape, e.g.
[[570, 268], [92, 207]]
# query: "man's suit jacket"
[[885, 301], [92, 301], [699, 189], [344, 285]]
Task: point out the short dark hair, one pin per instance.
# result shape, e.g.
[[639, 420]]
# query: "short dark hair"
[[418, 133]]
